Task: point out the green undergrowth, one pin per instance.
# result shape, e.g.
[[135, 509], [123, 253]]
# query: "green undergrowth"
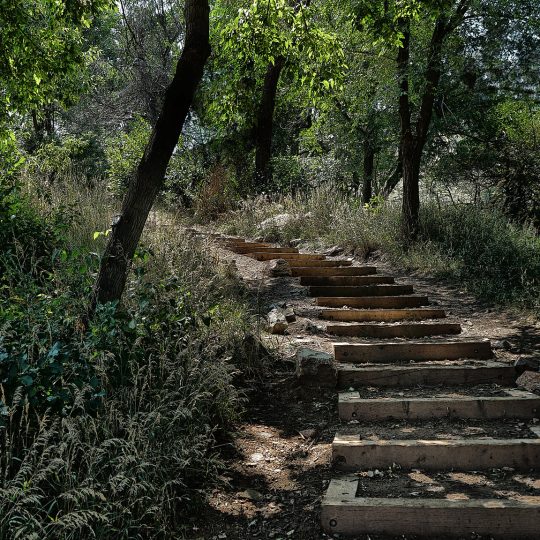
[[477, 248], [111, 431]]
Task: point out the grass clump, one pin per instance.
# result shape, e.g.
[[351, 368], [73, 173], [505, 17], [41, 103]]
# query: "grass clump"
[[473, 246], [111, 432]]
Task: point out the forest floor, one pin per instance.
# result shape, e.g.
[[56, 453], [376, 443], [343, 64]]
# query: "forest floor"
[[279, 463]]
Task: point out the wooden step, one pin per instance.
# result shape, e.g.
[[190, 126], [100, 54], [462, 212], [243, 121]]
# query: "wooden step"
[[381, 314], [365, 290], [334, 270], [404, 352], [350, 453], [373, 301], [350, 375], [344, 513], [254, 246], [517, 404], [351, 281], [319, 264], [303, 257], [262, 249], [394, 330]]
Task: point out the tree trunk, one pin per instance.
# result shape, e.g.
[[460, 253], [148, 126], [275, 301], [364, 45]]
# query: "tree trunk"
[[412, 141], [393, 180], [265, 124], [147, 181], [369, 160], [411, 157]]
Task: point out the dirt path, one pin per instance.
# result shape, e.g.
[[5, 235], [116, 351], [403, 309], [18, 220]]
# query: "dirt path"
[[280, 464]]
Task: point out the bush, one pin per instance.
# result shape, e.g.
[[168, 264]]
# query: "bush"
[[123, 152], [111, 431]]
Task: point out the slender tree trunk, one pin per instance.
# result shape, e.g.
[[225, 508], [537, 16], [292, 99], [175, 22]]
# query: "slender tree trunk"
[[411, 186], [413, 140], [369, 160], [393, 180], [147, 181], [265, 124]]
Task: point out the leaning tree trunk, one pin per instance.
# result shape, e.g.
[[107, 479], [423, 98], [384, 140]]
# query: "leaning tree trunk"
[[147, 181], [265, 124]]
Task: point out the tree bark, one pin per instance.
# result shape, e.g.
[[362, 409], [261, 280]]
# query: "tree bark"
[[412, 141], [265, 124], [369, 160], [393, 180], [148, 178]]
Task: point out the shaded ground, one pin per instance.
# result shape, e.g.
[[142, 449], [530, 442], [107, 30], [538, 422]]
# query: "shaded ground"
[[279, 464]]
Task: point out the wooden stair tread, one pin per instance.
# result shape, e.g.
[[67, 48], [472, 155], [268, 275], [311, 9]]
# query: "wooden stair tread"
[[389, 330], [344, 513], [360, 290], [451, 374], [408, 350], [525, 405], [349, 452], [382, 315], [333, 270], [373, 301]]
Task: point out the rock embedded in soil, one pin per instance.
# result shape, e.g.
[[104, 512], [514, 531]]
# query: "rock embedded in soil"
[[315, 368], [530, 381], [277, 322], [308, 433], [527, 364], [333, 251], [279, 268], [290, 316], [277, 221]]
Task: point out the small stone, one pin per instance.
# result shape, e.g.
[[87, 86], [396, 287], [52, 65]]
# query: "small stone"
[[527, 364], [290, 316], [250, 494], [501, 344], [277, 323], [308, 433], [313, 328], [333, 251], [315, 368], [279, 268], [295, 242], [530, 381]]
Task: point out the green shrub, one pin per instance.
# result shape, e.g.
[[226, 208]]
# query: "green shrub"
[[123, 152], [110, 431]]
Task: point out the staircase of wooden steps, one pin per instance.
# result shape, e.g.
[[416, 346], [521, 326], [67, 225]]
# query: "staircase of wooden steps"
[[404, 371]]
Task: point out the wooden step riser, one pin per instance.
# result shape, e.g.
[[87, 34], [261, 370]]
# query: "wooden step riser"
[[403, 376], [397, 331], [244, 250], [317, 264], [404, 352], [437, 455], [488, 408], [303, 257], [345, 281], [345, 514], [369, 302], [335, 271], [367, 290], [382, 315]]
